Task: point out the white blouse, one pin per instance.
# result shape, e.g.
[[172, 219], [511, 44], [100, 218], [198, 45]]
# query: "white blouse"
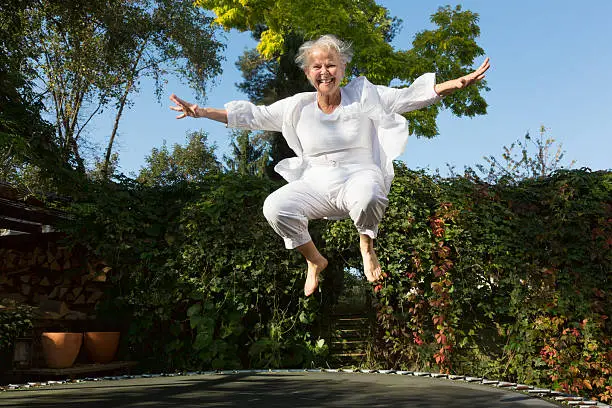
[[343, 129], [362, 102]]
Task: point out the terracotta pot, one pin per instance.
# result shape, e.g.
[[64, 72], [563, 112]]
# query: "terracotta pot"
[[101, 347], [61, 349]]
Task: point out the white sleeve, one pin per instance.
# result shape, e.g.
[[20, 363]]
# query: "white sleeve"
[[419, 94], [247, 115]]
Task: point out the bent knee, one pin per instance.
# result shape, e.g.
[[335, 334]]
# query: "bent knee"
[[277, 206], [271, 208], [371, 201], [369, 208]]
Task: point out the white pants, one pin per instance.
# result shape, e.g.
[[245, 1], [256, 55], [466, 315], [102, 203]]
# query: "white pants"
[[328, 189]]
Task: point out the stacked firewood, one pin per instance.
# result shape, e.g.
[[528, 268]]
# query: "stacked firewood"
[[62, 282]]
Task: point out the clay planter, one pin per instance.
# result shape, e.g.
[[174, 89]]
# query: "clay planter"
[[61, 349], [101, 347]]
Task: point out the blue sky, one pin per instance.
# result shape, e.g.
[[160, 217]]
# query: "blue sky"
[[551, 65]]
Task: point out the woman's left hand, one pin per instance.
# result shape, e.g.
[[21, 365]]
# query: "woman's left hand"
[[475, 76], [448, 87]]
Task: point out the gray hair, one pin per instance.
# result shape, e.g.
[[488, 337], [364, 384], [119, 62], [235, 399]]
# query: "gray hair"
[[326, 42]]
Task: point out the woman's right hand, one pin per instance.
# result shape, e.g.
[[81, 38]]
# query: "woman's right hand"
[[187, 108]]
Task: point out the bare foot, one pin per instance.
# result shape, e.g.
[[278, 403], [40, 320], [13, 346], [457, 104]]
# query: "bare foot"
[[371, 266], [312, 280]]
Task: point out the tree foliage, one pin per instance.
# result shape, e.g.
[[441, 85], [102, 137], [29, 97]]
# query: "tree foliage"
[[189, 163], [449, 50], [88, 56], [536, 157], [28, 156], [363, 21], [250, 155], [268, 80]]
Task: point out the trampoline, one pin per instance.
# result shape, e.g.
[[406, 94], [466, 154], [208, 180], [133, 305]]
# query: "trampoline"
[[273, 389]]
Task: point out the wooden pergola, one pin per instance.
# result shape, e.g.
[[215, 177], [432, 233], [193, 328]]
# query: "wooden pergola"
[[26, 215]]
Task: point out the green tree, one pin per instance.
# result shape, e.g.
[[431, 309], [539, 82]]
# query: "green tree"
[[270, 73], [250, 154], [103, 170], [528, 158], [190, 163], [28, 158], [92, 55], [449, 50], [268, 80], [363, 22]]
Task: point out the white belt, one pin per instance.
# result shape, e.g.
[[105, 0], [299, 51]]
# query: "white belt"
[[335, 159]]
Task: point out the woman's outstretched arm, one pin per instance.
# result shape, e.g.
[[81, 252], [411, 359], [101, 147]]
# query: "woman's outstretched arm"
[[195, 111], [424, 91]]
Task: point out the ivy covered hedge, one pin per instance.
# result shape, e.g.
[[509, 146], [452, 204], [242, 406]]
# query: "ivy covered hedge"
[[508, 282], [505, 281], [200, 279]]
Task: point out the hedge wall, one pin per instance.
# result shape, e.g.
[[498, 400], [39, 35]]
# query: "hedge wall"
[[506, 281]]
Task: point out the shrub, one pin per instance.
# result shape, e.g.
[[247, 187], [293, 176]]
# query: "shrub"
[[505, 281]]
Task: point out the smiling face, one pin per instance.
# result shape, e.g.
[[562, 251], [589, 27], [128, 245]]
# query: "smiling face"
[[325, 71]]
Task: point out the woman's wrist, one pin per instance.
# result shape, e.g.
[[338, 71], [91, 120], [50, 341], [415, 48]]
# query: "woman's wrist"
[[219, 115], [441, 89], [448, 87]]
